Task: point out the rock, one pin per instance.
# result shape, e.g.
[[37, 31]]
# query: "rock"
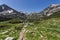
[[31, 24], [9, 38]]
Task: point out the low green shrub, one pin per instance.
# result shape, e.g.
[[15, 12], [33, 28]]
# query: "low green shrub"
[[18, 27], [36, 22], [14, 21], [5, 25]]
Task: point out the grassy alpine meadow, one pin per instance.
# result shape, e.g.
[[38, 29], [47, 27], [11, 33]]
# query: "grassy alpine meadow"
[[8, 29], [44, 30]]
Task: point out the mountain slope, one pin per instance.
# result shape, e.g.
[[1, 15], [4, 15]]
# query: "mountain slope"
[[48, 29], [51, 9], [8, 13], [48, 12]]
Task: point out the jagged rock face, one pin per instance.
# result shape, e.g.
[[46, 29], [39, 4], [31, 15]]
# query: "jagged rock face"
[[8, 13], [51, 9], [6, 8], [47, 11]]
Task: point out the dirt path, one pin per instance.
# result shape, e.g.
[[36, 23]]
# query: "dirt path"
[[21, 36]]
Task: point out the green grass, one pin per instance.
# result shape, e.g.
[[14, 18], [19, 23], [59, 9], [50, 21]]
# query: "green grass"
[[45, 30], [9, 30]]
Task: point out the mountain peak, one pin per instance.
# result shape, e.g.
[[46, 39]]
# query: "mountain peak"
[[51, 9], [53, 5], [3, 5]]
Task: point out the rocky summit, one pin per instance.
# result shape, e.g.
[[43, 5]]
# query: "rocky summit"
[[51, 9], [7, 12]]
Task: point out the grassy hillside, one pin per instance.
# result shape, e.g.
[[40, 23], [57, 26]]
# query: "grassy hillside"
[[10, 29], [47, 29]]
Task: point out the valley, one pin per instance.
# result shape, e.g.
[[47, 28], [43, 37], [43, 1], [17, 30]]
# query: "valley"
[[44, 25]]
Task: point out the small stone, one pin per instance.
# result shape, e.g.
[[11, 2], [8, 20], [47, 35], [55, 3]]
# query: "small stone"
[[9, 38], [41, 36]]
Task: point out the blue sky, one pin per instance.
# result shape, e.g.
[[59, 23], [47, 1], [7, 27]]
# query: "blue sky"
[[29, 5]]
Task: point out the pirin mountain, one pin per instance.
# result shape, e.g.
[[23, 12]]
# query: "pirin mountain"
[[47, 12], [7, 13]]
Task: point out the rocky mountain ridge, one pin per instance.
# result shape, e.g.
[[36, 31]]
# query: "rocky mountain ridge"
[[51, 9], [9, 13]]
